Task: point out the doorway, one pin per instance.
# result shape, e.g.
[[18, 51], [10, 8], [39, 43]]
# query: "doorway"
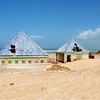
[[60, 57], [68, 58]]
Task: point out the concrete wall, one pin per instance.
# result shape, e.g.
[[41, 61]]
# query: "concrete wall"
[[74, 56], [5, 61], [85, 55], [81, 54], [52, 56]]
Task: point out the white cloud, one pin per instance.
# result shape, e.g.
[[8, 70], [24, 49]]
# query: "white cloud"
[[89, 34]]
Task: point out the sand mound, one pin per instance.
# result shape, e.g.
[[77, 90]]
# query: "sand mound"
[[58, 68]]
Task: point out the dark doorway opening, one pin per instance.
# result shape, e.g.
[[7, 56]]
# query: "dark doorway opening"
[[68, 58]]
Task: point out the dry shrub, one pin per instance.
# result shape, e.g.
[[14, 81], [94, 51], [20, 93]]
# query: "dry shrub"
[[58, 68], [98, 52]]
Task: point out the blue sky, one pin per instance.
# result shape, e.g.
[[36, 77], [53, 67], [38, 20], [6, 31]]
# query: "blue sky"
[[51, 23]]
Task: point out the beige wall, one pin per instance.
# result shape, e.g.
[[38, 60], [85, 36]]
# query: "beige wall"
[[31, 60], [77, 55], [52, 56], [97, 56]]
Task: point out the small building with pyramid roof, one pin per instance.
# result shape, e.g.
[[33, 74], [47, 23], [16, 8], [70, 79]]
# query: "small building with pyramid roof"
[[24, 45], [22, 50], [68, 52], [71, 51]]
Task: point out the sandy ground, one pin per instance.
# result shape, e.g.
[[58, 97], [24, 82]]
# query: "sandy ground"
[[81, 83]]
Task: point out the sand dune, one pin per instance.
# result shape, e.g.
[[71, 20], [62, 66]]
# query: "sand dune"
[[81, 83], [84, 64]]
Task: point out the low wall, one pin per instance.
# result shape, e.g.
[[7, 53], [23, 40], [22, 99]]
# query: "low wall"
[[22, 61]]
